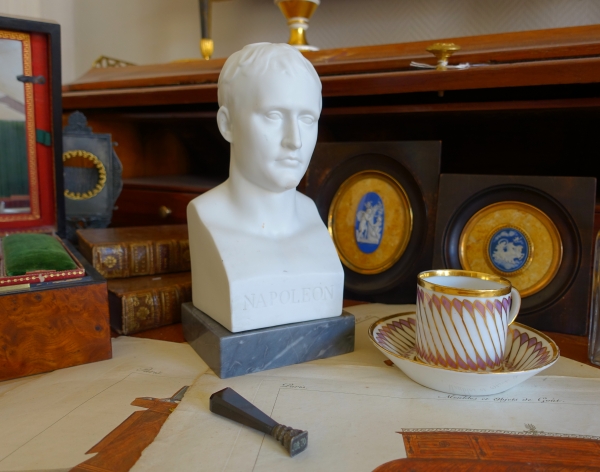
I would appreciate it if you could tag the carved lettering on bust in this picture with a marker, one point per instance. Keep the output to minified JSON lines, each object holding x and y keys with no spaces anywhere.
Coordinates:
{"x":285,"y":297}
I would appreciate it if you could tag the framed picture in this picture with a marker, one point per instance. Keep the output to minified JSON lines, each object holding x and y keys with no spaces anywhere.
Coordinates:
{"x":378,"y":200}
{"x":535,"y":231}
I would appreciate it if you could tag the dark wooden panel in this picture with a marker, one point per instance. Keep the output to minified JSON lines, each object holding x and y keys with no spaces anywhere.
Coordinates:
{"x":52,"y":329}
{"x":142,"y":207}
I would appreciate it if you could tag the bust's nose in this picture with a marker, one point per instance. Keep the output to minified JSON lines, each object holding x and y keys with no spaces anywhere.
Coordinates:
{"x":291,"y":137}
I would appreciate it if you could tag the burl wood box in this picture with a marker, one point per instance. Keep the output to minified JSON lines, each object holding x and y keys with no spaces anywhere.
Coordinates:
{"x":48,"y":320}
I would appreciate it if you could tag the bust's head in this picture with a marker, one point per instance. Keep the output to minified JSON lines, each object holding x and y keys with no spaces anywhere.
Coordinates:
{"x":270,"y":102}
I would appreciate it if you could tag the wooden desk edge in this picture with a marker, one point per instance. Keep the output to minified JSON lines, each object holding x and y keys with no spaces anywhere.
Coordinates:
{"x":571,"y":346}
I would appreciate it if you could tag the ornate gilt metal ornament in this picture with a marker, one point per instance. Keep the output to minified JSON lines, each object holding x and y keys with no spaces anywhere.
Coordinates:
{"x":104,"y":62}
{"x":370,"y":220}
{"x":92,"y":176}
{"x":515,"y":240}
{"x":27,"y":71}
{"x":298,"y":14}
{"x":442,"y":52}
{"x":101,"y":175}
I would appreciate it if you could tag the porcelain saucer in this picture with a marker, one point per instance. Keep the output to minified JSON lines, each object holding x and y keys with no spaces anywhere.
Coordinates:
{"x":528,"y":352}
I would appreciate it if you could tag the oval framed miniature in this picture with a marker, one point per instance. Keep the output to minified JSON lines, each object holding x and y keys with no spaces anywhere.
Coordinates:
{"x":370,"y":220}
{"x":519,"y":232}
{"x":378,"y":200}
{"x":515,"y":240}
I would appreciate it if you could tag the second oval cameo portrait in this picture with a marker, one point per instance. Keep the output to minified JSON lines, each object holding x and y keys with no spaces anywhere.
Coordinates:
{"x":515,"y":240}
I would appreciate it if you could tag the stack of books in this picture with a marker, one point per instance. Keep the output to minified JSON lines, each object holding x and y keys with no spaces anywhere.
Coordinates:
{"x":148,"y":273}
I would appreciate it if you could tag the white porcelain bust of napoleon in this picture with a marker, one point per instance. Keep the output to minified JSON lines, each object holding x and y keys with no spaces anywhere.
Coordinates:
{"x":261,"y":255}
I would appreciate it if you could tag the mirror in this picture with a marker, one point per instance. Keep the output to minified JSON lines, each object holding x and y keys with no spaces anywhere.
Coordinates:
{"x":14,"y":152}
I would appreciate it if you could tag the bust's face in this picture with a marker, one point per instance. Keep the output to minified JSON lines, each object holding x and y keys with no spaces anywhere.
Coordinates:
{"x":274,"y":128}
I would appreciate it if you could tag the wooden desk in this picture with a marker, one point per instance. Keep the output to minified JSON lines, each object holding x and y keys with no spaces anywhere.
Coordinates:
{"x":573,"y":347}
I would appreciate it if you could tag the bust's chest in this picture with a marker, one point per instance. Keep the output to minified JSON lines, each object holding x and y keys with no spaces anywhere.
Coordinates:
{"x":248,"y":255}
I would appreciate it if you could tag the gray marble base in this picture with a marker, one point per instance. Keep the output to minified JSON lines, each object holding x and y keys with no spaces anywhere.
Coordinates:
{"x":231,"y":354}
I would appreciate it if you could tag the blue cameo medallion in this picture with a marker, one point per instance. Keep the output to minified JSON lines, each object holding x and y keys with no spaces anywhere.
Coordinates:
{"x":509,"y":249}
{"x":368,"y":227}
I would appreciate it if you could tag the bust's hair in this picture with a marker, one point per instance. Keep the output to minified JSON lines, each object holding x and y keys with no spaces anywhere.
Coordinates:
{"x":255,"y":60}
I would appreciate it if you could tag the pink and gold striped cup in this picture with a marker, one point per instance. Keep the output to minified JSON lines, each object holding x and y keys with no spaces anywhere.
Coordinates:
{"x":463,"y":318}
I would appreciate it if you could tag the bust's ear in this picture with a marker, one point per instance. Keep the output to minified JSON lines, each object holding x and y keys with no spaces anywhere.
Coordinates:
{"x":223,"y":123}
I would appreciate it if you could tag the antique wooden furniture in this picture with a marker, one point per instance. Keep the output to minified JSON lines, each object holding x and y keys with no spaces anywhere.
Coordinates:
{"x":47,"y":322}
{"x":529,"y":109}
{"x":527,"y":106}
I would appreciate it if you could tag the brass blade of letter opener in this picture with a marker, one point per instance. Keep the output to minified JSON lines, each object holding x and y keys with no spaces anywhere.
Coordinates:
{"x":230,"y":404}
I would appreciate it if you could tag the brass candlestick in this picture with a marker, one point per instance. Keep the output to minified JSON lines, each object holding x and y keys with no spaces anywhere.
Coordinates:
{"x":443,"y":51}
{"x":207,"y":47}
{"x":298,"y":14}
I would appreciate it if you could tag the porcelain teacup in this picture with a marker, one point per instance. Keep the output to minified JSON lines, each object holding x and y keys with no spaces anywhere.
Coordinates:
{"x":463,"y":318}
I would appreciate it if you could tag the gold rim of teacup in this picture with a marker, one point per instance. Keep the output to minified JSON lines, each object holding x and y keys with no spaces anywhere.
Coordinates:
{"x":501,"y":371}
{"x":495,"y":292}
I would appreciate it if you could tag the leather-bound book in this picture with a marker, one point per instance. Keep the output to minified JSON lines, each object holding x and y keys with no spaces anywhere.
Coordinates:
{"x":142,"y":303}
{"x":134,"y":251}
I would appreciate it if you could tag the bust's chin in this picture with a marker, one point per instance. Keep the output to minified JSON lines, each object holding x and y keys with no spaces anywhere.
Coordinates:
{"x":281,"y":183}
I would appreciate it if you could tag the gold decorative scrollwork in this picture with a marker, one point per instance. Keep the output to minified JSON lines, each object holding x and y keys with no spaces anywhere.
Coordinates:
{"x":101,"y":175}
{"x":104,"y":61}
{"x":34,"y":192}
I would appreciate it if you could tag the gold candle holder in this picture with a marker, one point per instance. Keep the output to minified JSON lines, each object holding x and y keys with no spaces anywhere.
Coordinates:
{"x":207,"y":47}
{"x":298,"y":14}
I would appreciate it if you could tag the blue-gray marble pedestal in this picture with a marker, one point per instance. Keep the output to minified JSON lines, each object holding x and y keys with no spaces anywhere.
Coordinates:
{"x":231,"y":354}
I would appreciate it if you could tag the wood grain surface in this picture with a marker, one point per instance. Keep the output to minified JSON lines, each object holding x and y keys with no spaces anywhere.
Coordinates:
{"x":533,"y":58}
{"x":469,"y":451}
{"x":52,"y":329}
{"x":555,"y":43}
{"x":571,"y":346}
{"x":122,"y":447}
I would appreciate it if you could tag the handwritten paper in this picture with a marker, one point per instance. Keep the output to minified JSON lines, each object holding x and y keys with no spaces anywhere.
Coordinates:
{"x":356,"y":424}
{"x":355,"y":408}
{"x":49,"y":421}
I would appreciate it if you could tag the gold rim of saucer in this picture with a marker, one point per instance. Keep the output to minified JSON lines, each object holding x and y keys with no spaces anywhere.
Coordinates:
{"x":464,"y":291}
{"x":551,"y":343}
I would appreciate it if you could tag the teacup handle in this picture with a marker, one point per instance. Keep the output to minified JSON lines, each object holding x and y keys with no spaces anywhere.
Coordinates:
{"x":515,"y":305}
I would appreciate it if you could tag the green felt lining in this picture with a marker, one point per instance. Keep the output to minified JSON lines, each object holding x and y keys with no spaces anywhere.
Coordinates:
{"x":28,"y":252}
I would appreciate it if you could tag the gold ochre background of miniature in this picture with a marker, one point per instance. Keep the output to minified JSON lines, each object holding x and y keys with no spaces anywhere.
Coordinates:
{"x":397,"y":222}
{"x":545,"y":251}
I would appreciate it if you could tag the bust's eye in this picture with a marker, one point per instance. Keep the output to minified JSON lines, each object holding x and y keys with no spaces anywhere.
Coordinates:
{"x":274,"y":115}
{"x":307,"y":119}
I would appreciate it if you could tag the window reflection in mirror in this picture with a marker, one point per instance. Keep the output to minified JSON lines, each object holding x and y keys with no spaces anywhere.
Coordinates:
{"x":14,"y":176}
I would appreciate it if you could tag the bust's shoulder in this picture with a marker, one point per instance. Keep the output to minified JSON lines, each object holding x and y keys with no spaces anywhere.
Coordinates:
{"x":307,"y":209}
{"x":304,"y":202}
{"x":211,"y":204}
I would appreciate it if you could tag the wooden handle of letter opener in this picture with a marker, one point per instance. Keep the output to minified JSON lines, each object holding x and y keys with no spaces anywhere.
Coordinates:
{"x":230,"y":404}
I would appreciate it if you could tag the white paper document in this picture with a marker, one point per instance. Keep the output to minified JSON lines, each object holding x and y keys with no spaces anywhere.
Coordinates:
{"x":49,"y":421}
{"x":355,"y":424}
{"x":355,"y":408}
